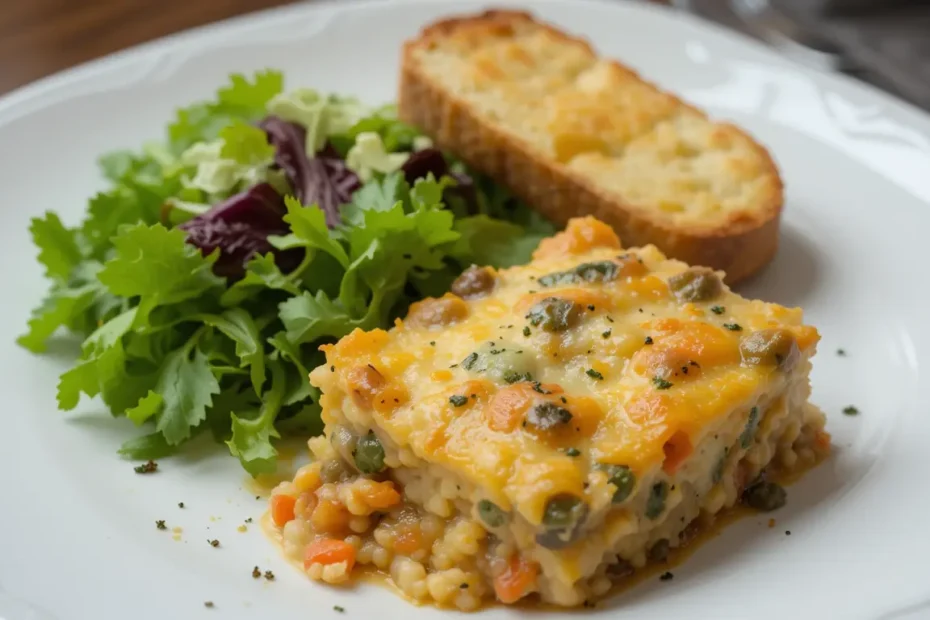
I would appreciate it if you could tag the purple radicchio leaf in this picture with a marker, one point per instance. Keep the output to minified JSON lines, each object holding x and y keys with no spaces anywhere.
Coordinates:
{"x":239,"y":226}
{"x":323,"y":180}
{"x":431,"y":161}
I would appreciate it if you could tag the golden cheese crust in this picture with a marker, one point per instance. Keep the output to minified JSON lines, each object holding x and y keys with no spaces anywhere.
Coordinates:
{"x":575,"y":134}
{"x":530,"y":378}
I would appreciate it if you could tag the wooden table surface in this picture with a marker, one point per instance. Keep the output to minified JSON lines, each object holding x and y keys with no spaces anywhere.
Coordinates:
{"x":40,"y":37}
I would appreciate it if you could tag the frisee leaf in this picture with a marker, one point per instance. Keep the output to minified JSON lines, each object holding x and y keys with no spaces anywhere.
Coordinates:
{"x":58,"y":246}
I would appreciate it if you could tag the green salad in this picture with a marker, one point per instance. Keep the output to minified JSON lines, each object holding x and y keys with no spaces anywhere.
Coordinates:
{"x":267,"y":223}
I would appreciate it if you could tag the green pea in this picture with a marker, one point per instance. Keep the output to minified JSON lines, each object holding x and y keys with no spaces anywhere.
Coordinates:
{"x":622,"y":478}
{"x":600,"y":271}
{"x":545,"y":416}
{"x":562,"y":519}
{"x":332,"y":471}
{"x":656,"y":502}
{"x":369,"y":454}
{"x":491,"y":513}
{"x":765,"y":496}
{"x":695,"y":284}
{"x":554,"y":314}
{"x":745,"y":439}
{"x":717,"y":475}
{"x":771,"y":347}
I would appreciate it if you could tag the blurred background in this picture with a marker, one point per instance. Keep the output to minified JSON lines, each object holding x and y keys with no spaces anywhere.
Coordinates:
{"x":883,"y":42}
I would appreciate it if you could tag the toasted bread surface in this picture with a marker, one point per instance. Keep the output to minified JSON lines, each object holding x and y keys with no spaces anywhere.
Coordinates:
{"x":575,"y":134}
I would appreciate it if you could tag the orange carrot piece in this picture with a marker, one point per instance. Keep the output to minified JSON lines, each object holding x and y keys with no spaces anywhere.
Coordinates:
{"x":515,"y":582}
{"x":282,"y":508}
{"x":329,"y":551}
{"x":381,"y":495}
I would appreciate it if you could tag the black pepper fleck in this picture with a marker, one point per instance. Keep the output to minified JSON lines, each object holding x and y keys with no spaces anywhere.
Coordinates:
{"x":648,"y":340}
{"x":180,"y":504}
{"x":787,"y":532}
{"x":666,"y":576}
{"x":463,"y":586}
{"x":332,"y":369}
{"x":269,"y":575}
{"x":214,"y":543}
{"x":208,"y":604}
{"x":610,"y":320}
{"x":160,"y":524}
{"x":256,"y":573}
{"x":591,"y":307}
{"x":606,"y":334}
{"x":841,"y":352}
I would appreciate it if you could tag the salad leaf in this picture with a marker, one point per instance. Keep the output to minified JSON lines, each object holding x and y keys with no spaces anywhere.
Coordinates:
{"x":205,"y":278}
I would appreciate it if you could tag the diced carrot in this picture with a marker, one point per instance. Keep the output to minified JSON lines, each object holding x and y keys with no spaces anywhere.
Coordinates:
{"x":381,"y":495}
{"x":282,"y":508}
{"x":408,"y":540}
{"x":508,"y":406}
{"x":580,"y":235}
{"x":516,"y":580}
{"x":677,"y":449}
{"x":329,"y":551}
{"x":330,"y":517}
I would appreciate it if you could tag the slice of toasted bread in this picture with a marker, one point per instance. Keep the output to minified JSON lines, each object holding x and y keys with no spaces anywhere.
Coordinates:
{"x":576,"y":134}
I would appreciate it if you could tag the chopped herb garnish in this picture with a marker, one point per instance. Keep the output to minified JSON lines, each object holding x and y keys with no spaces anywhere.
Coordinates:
{"x":733,"y":327}
{"x":146,"y":468}
{"x":545,"y":416}
{"x":256,"y":573}
{"x":458,"y":400}
{"x":850,"y":410}
{"x":341,"y":610}
{"x":594,"y":374}
{"x":666,"y":576}
{"x":432,"y":343}
{"x":526,"y":331}
{"x":563,"y":399}
{"x":249,"y":520}
{"x":606,"y":334}
{"x":718,"y":309}
{"x":601,"y":271}
{"x":214,"y":543}
{"x":660,"y":383}
{"x":332,"y":369}
{"x":537,"y":387}
{"x":208,"y":604}
{"x":591,"y":307}
{"x":787,"y":532}
{"x":609,"y":320}
{"x":841,"y":352}
{"x":160,"y":524}
{"x":648,"y":340}
{"x":180,"y":504}
{"x":463,"y":586}
{"x":469,"y":362}
{"x":554,"y":314}
{"x":573,"y":452}
{"x":512,"y":376}
{"x":269,"y":575}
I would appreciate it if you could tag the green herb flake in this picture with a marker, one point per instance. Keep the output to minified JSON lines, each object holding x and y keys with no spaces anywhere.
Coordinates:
{"x":605,"y":335}
{"x":149,"y":467}
{"x":339,"y":609}
{"x":546,"y":416}
{"x":469,"y":362}
{"x":573,"y":452}
{"x":850,"y":410}
{"x":648,"y":340}
{"x":718,"y":309}
{"x":458,"y":400}
{"x":660,"y":383}
{"x":160,"y":524}
{"x":841,"y":352}
{"x":256,"y":573}
{"x":733,"y":327}
{"x":526,"y":330}
{"x":594,"y":374}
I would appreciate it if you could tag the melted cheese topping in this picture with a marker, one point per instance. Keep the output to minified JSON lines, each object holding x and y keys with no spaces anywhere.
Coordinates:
{"x":636,"y":378}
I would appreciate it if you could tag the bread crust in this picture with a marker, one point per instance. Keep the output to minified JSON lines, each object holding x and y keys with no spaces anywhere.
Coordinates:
{"x":740,"y":245}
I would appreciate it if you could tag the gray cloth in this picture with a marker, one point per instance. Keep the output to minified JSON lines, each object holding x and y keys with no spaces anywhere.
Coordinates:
{"x":887,"y":41}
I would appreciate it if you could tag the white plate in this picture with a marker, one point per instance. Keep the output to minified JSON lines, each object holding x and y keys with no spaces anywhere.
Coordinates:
{"x":77,"y":531}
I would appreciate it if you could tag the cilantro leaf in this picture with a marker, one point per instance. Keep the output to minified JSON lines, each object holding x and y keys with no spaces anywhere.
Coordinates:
{"x":239,"y":326}
{"x":309,"y":225}
{"x":61,"y":308}
{"x":147,"y":447}
{"x":146,"y":408}
{"x":58,"y":246}
{"x":261,"y":272}
{"x":251,"y":438}
{"x":156,"y":264}
{"x":187,"y":385}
